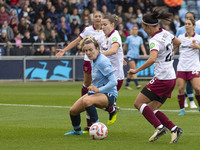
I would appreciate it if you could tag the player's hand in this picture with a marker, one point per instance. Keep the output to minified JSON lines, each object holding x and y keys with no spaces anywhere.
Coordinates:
{"x":124,"y":62}
{"x":194,"y":45}
{"x":60,"y":53}
{"x":145,"y":55}
{"x":93,"y":88}
{"x":132,"y":71}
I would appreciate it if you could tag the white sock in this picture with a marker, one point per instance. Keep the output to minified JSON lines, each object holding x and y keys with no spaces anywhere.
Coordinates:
{"x":173,"y":128}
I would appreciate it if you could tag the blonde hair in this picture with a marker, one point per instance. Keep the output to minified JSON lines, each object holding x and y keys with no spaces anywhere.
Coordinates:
{"x":89,"y":40}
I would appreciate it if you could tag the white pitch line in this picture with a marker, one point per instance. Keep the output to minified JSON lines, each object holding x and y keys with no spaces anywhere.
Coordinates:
{"x":48,"y":106}
{"x":26,"y":105}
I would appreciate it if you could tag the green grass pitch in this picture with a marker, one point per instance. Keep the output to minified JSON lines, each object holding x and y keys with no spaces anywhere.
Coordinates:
{"x":35,"y":116}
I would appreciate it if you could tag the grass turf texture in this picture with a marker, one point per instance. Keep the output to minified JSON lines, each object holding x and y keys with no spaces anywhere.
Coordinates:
{"x":42,"y":128}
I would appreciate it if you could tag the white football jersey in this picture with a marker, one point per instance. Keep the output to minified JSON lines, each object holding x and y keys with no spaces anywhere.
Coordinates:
{"x":91,"y":31}
{"x":161,"y":41}
{"x":116,"y":59}
{"x":189,"y":58}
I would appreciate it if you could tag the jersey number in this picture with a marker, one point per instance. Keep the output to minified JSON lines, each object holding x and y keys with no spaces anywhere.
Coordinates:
{"x":169,"y":57}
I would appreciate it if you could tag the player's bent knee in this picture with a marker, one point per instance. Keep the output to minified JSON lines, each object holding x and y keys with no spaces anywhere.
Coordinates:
{"x":137,"y":105}
{"x":72,"y":111}
{"x":87,"y":102}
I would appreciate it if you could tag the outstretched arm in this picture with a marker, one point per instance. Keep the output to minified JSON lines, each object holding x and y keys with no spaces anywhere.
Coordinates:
{"x":150,"y":61}
{"x":68,"y":47}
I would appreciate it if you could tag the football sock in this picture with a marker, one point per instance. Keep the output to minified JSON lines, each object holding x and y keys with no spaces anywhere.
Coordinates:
{"x":149,"y":115}
{"x":128,"y":82}
{"x":92,"y":112}
{"x":181,"y":100}
{"x":136,"y":81}
{"x":76,"y":122}
{"x":164,"y":119}
{"x":119,"y":84}
{"x":110,"y":109}
{"x":185,"y":93}
{"x":84,"y":90}
{"x":198,"y":99}
{"x":173,"y":128}
{"x":190,"y":96}
{"x":89,"y":123}
{"x":189,"y":91}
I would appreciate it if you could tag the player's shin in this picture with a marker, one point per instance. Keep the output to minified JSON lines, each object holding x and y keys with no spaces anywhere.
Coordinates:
{"x":91,"y":110}
{"x":76,"y":121}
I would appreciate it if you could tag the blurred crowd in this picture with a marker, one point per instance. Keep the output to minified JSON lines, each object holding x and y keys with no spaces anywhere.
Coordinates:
{"x":39,"y":27}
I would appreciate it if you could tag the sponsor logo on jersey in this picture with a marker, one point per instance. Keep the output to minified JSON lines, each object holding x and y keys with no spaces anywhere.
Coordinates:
{"x":114,"y":39}
{"x":152,"y":45}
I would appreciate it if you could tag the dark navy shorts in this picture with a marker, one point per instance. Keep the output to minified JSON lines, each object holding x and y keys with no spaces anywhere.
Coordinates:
{"x":111,"y":98}
{"x":132,"y":59}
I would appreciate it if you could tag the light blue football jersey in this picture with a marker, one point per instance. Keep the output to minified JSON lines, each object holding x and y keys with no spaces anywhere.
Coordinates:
{"x":101,"y":70}
{"x":134,"y":44}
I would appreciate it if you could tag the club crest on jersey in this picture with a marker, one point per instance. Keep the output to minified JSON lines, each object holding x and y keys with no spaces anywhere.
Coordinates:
{"x":107,"y":68}
{"x":152,"y":45}
{"x":114,"y":39}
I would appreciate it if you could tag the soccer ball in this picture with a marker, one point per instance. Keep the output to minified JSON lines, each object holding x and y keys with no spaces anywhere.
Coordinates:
{"x":98,"y":131}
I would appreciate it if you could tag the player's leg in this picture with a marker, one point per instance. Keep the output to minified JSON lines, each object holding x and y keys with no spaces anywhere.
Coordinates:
{"x":132,"y":77}
{"x":156,"y":97}
{"x":175,"y":131}
{"x":86,"y":83}
{"x":132,"y":65}
{"x":190,"y":95}
{"x":181,"y":97}
{"x":186,"y":103}
{"x":99,"y":100}
{"x":196,"y":85}
{"x":114,"y":109}
{"x":146,"y":106}
{"x":75,"y":111}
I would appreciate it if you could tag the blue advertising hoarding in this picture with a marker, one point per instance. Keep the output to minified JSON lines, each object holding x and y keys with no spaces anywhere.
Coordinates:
{"x":55,"y":69}
{"x":48,"y":69}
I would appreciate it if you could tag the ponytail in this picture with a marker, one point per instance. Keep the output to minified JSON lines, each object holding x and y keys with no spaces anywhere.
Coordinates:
{"x":112,"y":19}
{"x":157,"y":13}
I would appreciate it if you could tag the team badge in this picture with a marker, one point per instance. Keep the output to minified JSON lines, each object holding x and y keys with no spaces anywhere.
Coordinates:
{"x":107,"y":68}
